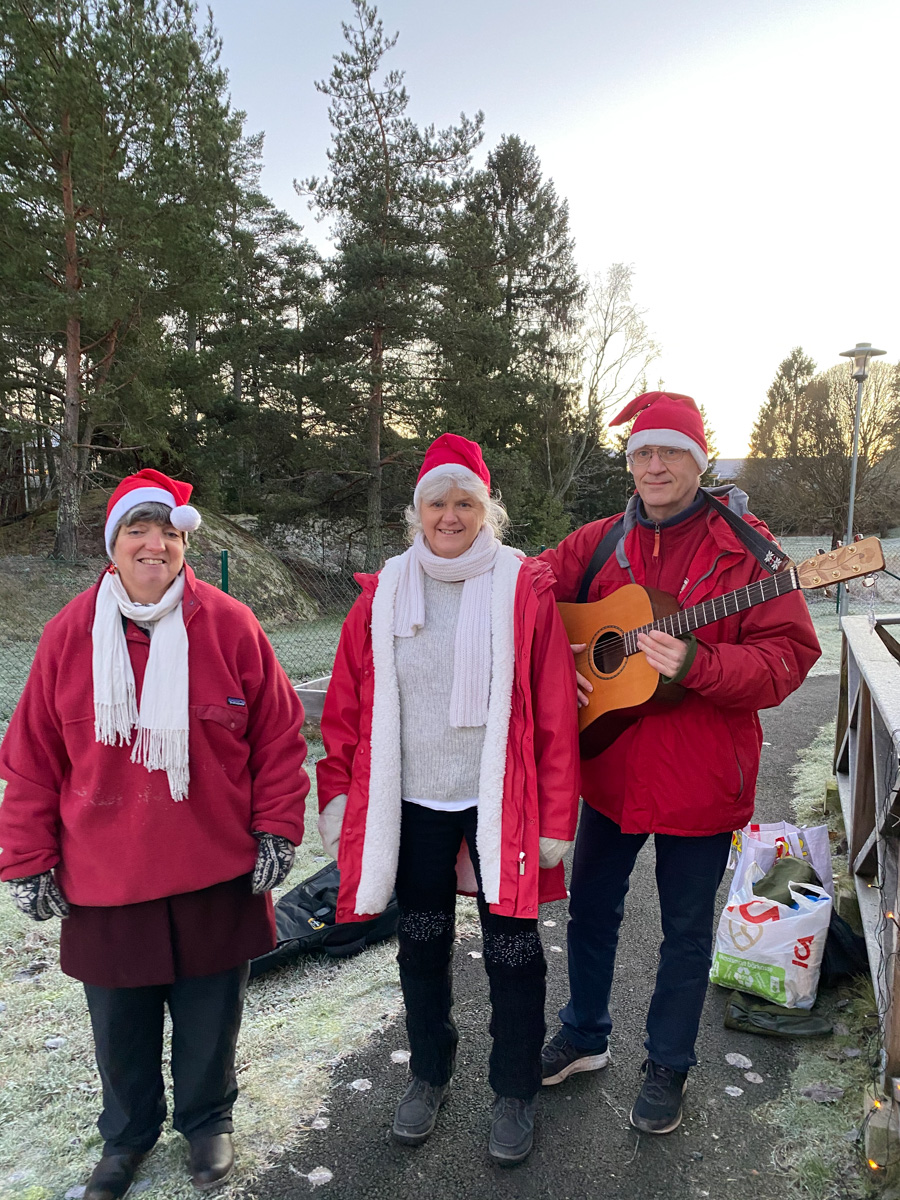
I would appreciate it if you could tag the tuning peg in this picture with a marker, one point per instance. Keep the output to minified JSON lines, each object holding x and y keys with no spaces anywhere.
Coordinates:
{"x":820,"y":550}
{"x":869,"y":581}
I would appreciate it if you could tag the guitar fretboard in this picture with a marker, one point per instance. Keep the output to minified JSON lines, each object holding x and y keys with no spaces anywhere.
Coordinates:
{"x":686,"y":620}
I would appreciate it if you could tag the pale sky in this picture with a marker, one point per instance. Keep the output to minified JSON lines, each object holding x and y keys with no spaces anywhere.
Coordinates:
{"x":742,"y":156}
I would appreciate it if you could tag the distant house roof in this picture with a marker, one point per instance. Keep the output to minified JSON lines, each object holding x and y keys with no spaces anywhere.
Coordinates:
{"x":728,"y":469}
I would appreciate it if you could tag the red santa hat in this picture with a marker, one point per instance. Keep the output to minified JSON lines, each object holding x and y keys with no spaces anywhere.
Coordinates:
{"x":666,"y":419}
{"x":446,"y":455}
{"x":151,"y":487}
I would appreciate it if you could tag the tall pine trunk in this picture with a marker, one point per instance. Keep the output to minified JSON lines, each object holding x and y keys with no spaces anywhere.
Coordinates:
{"x":66,"y":544}
{"x":374,"y":531}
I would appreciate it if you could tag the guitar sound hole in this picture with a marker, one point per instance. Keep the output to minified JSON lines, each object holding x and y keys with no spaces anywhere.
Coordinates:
{"x":609,"y":652}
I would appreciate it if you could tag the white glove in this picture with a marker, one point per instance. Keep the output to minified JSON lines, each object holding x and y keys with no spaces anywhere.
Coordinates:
{"x":331,"y":818}
{"x":552,"y":851}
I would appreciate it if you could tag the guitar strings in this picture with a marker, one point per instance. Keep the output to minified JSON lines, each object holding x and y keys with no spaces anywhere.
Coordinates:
{"x":625,"y":645}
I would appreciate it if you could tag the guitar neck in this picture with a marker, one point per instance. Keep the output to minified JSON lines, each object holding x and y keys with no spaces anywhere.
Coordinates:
{"x":686,"y":620}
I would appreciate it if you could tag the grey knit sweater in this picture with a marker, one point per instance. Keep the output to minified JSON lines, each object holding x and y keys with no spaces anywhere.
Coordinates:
{"x":440,"y":763}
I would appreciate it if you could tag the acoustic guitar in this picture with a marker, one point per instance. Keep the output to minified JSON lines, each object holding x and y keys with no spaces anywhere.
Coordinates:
{"x":626,"y":687}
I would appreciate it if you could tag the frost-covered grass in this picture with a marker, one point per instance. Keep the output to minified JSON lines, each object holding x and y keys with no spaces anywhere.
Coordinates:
{"x":299,"y":1022}
{"x":816,"y":1144}
{"x":306,"y":650}
{"x":811,"y":774}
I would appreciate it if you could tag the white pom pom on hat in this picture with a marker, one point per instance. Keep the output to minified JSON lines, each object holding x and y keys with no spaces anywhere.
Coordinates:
{"x":185,"y":517}
{"x":148,"y":486}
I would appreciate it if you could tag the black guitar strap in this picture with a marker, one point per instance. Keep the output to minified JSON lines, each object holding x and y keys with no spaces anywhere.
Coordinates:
{"x":769,"y":556}
{"x":605,"y":547}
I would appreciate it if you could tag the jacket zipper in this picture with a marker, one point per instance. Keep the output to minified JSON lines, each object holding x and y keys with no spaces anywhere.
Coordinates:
{"x":521,"y":862}
{"x":656,"y":541}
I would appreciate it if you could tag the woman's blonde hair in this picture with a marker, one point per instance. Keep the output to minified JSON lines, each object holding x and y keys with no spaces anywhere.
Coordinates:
{"x":436,"y":486}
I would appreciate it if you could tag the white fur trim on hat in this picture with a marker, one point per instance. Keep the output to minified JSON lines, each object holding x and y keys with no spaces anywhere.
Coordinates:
{"x":446,"y":469}
{"x":130,"y":500}
{"x":668,"y":437}
{"x":185,"y":517}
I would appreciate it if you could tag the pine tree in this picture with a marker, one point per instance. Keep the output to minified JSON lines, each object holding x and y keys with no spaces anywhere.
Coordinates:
{"x":114,"y":142}
{"x":388,"y":186}
{"x":506,"y":341}
{"x":782,"y":426}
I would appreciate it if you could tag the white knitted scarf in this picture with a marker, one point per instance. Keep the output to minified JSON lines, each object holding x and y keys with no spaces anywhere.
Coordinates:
{"x":161,"y":743}
{"x":470,"y":693}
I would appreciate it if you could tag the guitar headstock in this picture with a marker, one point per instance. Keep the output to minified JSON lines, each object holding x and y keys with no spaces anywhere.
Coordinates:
{"x":846,"y":562}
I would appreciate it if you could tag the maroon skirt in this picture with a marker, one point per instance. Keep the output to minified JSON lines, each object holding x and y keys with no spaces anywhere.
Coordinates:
{"x":175,"y":937}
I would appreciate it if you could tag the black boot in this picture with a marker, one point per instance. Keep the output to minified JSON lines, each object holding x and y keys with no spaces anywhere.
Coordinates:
{"x":512,"y":1130}
{"x":113,"y":1175}
{"x":211,"y":1161}
{"x":417,"y":1112}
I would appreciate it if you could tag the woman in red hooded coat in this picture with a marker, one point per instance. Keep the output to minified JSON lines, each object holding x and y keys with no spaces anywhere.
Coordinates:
{"x":452,"y":764}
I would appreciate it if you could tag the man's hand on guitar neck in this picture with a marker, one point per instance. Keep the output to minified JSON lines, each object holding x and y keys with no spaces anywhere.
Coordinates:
{"x":584,"y":685}
{"x":663,"y":652}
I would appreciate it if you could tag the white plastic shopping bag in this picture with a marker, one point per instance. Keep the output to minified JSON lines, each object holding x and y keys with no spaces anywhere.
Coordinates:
{"x":773,"y":950}
{"x":762,"y":844}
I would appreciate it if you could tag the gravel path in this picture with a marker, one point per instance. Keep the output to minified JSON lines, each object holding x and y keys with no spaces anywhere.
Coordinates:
{"x":584,"y":1147}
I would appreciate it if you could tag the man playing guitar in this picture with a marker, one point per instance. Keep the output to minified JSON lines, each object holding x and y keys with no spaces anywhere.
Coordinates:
{"x":685,"y":773}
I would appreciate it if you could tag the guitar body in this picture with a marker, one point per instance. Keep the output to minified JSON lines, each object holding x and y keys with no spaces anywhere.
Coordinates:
{"x":625,"y":688}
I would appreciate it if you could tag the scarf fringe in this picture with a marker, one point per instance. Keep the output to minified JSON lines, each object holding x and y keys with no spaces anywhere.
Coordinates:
{"x":113,"y":723}
{"x":165,"y":750}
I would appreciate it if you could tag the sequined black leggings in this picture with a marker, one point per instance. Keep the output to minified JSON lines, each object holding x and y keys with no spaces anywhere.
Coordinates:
{"x":513,"y":956}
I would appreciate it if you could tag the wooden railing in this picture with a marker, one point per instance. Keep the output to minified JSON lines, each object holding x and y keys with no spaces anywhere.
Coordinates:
{"x":867,"y":765}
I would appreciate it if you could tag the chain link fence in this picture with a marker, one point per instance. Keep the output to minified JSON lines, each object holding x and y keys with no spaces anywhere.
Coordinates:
{"x":301,"y":611}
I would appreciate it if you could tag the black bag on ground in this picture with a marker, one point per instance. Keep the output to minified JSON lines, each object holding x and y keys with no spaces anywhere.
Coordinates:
{"x":305,"y":924}
{"x":845,"y":953}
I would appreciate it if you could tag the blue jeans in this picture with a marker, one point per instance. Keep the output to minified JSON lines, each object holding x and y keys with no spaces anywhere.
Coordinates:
{"x":688,"y":873}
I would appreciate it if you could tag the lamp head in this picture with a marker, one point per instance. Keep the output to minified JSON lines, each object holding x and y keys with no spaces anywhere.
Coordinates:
{"x":861,"y":353}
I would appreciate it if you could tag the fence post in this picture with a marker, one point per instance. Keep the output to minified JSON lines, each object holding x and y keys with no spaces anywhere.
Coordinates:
{"x":224,"y":557}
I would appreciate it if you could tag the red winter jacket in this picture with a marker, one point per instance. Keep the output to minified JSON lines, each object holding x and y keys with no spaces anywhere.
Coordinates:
{"x":110,"y":826}
{"x":693,"y":769}
{"x":540,"y":786}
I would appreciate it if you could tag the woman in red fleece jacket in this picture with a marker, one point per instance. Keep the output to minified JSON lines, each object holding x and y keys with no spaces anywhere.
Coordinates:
{"x":154,"y":813}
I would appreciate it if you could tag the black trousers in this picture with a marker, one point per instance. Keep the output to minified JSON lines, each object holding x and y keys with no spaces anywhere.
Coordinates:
{"x":513,"y":956}
{"x":128,"y":1038}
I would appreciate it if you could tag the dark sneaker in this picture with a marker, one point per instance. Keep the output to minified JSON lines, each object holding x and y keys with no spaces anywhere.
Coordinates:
{"x":658,"y":1107}
{"x":417,"y":1112}
{"x":560,"y":1059}
{"x":512,"y":1130}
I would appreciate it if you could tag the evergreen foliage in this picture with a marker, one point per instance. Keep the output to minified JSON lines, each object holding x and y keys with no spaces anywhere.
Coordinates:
{"x":159,"y":310}
{"x":114,"y":140}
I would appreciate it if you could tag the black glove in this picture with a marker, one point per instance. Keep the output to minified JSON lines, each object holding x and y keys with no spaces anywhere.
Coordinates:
{"x":274,"y":860}
{"x":38,"y":897}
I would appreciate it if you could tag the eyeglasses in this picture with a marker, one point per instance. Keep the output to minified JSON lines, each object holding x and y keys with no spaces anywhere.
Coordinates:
{"x":665,"y":454}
